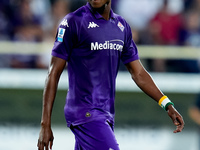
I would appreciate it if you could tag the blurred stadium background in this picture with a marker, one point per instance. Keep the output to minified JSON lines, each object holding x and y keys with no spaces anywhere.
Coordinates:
{"x":168,"y":44}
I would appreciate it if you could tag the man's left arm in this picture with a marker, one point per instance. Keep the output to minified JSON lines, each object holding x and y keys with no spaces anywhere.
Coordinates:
{"x":145,"y":82}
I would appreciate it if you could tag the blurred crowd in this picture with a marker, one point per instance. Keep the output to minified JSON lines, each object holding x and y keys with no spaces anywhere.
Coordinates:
{"x":153,"y":22}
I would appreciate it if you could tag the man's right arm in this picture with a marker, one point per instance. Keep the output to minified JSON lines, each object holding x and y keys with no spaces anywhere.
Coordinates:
{"x":55,"y":70}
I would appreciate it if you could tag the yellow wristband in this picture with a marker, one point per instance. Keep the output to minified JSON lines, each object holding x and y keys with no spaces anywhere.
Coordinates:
{"x":164,"y":102}
{"x":161,"y":100}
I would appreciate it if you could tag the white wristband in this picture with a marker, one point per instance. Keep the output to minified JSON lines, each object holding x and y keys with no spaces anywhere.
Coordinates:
{"x":164,"y":102}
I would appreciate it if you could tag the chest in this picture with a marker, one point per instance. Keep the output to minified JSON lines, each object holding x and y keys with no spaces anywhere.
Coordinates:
{"x":101,"y":34}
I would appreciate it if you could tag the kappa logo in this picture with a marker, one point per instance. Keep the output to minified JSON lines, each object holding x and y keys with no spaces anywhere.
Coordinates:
{"x":92,"y":25}
{"x":64,"y":23}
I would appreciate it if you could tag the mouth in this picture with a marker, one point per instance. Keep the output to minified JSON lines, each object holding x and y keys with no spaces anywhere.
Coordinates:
{"x":95,"y":1}
{"x":100,"y":5}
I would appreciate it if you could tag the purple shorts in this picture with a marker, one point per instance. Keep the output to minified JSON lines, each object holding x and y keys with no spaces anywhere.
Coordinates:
{"x":95,"y":135}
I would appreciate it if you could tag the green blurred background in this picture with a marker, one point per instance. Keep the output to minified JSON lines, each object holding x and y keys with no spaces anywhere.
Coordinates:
{"x":24,"y":106}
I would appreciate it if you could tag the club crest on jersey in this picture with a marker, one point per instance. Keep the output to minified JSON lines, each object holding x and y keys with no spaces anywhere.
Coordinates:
{"x":61,"y":33}
{"x":64,"y":23}
{"x":92,"y":25}
{"x":120,"y":26}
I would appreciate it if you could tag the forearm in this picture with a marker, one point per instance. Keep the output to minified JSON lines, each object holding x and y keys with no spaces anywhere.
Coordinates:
{"x":145,"y":82}
{"x":48,"y":99}
{"x":55,"y":70}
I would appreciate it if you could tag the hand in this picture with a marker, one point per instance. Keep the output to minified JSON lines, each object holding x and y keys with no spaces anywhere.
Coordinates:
{"x":45,"y":138}
{"x":176,"y":118}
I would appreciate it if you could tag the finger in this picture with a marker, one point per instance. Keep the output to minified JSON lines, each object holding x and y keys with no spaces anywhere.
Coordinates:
{"x":51,"y":144}
{"x":40,"y":146}
{"x":173,"y":117}
{"x":178,"y":129}
{"x":180,"y":124}
{"x":176,"y":123}
{"x":176,"y":119}
{"x":47,"y":147}
{"x":180,"y":120}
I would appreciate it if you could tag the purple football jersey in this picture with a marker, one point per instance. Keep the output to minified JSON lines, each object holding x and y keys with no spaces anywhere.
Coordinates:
{"x":93,"y":48}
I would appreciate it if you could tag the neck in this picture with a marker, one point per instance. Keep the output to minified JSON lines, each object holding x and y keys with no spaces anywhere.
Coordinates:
{"x":104,"y":11}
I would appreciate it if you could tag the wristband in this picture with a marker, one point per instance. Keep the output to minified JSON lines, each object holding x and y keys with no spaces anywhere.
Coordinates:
{"x":164,"y":102}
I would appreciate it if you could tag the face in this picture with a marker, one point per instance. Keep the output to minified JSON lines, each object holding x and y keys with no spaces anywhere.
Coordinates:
{"x":98,"y":3}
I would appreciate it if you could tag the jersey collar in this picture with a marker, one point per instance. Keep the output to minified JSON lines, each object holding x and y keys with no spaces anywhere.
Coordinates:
{"x":96,"y":14}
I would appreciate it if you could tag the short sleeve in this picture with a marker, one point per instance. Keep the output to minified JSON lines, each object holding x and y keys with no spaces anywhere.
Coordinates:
{"x":65,"y":38}
{"x":130,"y":52}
